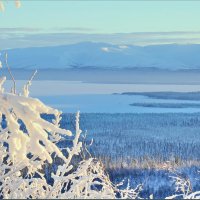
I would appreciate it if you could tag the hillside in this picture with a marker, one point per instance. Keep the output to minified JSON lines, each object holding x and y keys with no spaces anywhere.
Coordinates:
{"x":106,"y":56}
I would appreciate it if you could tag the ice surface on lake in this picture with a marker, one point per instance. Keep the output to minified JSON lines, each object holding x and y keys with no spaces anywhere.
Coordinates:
{"x":52,"y":87}
{"x":107,"y":103}
{"x":70,"y":96}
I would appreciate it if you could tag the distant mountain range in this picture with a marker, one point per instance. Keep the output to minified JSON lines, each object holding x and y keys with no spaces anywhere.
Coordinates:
{"x":106,"y":56}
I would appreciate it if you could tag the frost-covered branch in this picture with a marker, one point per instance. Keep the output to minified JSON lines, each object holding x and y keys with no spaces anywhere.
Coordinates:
{"x":11,"y":75}
{"x":183,"y":189}
{"x":28,"y":84}
{"x":28,"y":143}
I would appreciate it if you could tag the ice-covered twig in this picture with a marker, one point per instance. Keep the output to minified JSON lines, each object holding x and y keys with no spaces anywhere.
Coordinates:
{"x":28,"y":84}
{"x":11,"y":75}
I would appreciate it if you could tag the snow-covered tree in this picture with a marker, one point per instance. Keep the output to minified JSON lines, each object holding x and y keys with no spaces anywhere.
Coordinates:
{"x":28,"y":142}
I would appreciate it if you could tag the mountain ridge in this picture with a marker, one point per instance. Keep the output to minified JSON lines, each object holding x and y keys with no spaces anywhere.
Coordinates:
{"x":107,"y":56}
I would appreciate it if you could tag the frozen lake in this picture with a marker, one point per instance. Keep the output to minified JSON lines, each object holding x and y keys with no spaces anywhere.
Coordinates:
{"x":70,"y":96}
{"x":54,"y":87}
{"x":108,"y":103}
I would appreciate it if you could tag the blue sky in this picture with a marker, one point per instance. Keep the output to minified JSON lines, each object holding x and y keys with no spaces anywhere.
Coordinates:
{"x":103,"y":18}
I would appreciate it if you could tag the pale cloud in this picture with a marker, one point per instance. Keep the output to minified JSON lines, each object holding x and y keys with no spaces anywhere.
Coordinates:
{"x":18,"y":29}
{"x":47,"y":31}
{"x":74,"y":29}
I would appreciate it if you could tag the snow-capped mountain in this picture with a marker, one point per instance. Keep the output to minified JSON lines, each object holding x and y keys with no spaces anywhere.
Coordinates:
{"x":102,"y":55}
